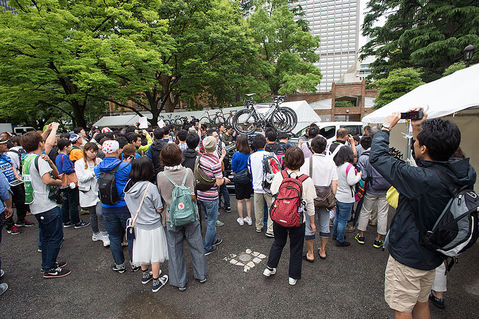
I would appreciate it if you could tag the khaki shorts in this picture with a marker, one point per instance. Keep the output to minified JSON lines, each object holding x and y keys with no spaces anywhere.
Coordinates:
{"x":405,"y":286}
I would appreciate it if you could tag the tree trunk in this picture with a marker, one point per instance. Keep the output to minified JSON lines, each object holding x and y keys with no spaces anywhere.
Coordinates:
{"x":78,"y":115}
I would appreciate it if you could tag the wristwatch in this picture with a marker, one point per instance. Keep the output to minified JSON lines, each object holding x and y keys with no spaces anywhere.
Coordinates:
{"x":386,"y":126}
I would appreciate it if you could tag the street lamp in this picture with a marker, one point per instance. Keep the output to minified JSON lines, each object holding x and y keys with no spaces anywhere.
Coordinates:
{"x":468,"y":53}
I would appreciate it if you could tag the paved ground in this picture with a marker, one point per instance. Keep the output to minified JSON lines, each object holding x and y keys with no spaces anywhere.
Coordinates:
{"x":349,"y":284}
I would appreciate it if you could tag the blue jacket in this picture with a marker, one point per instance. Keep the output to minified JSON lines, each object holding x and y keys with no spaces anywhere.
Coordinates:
{"x":64,"y":164}
{"x":239,"y":161}
{"x":121,"y":176}
{"x":422,"y":190}
{"x":4,"y":191}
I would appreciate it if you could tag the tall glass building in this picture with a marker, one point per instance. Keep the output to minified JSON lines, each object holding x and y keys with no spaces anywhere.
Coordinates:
{"x":337,"y":24}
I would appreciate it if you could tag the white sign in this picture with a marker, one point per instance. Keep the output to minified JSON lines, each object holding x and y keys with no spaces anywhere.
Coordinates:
{"x":143,"y":122}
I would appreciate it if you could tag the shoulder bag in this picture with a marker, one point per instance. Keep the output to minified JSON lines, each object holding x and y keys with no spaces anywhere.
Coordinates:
{"x":130,"y":224}
{"x":324,"y":195}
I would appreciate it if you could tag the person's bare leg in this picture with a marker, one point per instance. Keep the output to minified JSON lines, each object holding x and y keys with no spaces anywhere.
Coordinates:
{"x":402,"y":315}
{"x":322,"y":251}
{"x":310,"y":247}
{"x":239,"y":205}
{"x":155,"y":269}
{"x":421,"y":311}
{"x":379,"y":237}
{"x":248,"y":207}
{"x":438,"y":294}
{"x":144,"y":267}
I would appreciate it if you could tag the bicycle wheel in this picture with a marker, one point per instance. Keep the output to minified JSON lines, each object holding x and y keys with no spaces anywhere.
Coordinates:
{"x":284,"y":120}
{"x":219,"y":119}
{"x":244,"y":121}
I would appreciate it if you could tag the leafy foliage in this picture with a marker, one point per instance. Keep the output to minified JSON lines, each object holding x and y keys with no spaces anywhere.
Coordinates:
{"x":398,"y":83}
{"x":426,"y":35}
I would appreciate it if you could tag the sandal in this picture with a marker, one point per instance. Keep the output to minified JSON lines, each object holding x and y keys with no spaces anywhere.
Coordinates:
{"x":319,"y":249}
{"x":308,"y":260}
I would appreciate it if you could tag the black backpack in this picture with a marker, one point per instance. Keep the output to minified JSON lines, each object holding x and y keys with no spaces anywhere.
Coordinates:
{"x":107,"y":186}
{"x":457,"y":228}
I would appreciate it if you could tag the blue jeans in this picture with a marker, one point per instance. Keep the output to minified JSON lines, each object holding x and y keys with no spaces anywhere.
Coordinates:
{"x":115,"y":224}
{"x":343,"y":210}
{"x":70,"y":206}
{"x":51,"y":236}
{"x":223,"y":191}
{"x":211,"y":216}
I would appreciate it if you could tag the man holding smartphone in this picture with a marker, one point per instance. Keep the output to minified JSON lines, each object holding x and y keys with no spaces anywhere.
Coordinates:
{"x":424,"y":192}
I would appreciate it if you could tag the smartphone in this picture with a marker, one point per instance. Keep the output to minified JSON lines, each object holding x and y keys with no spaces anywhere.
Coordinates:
{"x":412,"y":115}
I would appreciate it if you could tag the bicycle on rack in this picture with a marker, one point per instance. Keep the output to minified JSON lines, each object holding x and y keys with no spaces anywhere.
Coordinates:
{"x":248,"y":120}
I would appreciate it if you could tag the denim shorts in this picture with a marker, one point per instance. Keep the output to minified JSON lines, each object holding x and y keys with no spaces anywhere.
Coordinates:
{"x":321,"y":219}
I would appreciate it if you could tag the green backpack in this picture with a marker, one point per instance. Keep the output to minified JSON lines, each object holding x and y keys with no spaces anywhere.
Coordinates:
{"x":27,"y":180}
{"x":183,"y":208}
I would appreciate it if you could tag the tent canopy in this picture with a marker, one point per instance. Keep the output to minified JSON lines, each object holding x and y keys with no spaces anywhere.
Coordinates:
{"x":450,"y":94}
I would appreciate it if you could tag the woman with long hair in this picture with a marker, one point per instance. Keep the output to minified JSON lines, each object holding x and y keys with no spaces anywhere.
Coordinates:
{"x":88,"y":187}
{"x":144,"y":203}
{"x":243,"y":187}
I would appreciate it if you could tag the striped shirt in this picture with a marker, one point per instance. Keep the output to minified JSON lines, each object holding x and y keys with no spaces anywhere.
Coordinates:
{"x":211,"y":166}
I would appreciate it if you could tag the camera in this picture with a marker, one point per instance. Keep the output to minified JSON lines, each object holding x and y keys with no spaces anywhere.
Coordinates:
{"x":412,"y":115}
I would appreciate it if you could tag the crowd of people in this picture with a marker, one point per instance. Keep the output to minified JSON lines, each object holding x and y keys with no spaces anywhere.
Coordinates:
{"x":153,"y":189}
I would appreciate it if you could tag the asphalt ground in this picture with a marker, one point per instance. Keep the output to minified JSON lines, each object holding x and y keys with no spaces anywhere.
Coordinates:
{"x":348,"y":284}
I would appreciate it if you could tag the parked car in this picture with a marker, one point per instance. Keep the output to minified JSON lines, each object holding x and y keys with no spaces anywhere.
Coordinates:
{"x":329,"y":129}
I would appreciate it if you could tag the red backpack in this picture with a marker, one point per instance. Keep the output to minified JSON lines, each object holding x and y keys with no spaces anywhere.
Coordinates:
{"x":286,"y":209}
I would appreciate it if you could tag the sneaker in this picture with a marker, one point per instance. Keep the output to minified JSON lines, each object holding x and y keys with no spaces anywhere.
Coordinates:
{"x":212,"y":250}
{"x":269,"y":235}
{"x":228,"y":209}
{"x":292,"y":281}
{"x":219,"y":223}
{"x":343,"y":244}
{"x":437,"y":301}
{"x":269,"y":272}
{"x":135,"y":268}
{"x":3,"y":288}
{"x":159,"y":282}
{"x":248,"y":221}
{"x":118,"y":268}
{"x":105,"y":240}
{"x":258,"y":230}
{"x":96,"y":237}
{"x":146,"y":277}
{"x":81,"y":224}
{"x":182,"y":288}
{"x":378,"y":244}
{"x":67,"y":225}
{"x":217,"y":242}
{"x":25,"y":223}
{"x":240,"y":221}
{"x":60,"y":264}
{"x":2,"y":273}
{"x":39,"y":250}
{"x":13,"y":230}
{"x":359,"y":239}
{"x":56,"y":273}
{"x":202,"y":281}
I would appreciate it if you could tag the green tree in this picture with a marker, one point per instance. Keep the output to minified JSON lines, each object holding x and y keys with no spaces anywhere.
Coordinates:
{"x":287,"y":49}
{"x":453,"y":68}
{"x":426,"y":35}
{"x":398,"y":83}
{"x":53,"y":54}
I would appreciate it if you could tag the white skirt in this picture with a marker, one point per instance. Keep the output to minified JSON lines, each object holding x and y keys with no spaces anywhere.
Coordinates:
{"x":149,"y":246}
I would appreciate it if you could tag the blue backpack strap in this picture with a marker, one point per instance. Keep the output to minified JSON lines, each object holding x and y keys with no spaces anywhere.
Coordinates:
{"x":171,"y":179}
{"x":184,"y":178}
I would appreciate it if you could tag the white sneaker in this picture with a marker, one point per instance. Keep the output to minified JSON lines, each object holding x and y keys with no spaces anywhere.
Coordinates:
{"x":269,"y":272}
{"x":106,"y":240}
{"x":248,"y":220}
{"x":292,"y":281}
{"x":96,"y":237}
{"x":240,"y":221}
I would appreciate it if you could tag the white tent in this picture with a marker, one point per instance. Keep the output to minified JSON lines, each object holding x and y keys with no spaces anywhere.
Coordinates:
{"x":454,"y":97}
{"x":450,"y":94}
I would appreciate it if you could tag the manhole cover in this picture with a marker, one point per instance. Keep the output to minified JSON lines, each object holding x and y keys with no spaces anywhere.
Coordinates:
{"x":244,"y":257}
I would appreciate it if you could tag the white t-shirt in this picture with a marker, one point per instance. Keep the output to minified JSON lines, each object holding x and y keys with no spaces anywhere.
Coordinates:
{"x":255,"y":164}
{"x":324,"y":169}
{"x":41,"y":203}
{"x":345,"y":193}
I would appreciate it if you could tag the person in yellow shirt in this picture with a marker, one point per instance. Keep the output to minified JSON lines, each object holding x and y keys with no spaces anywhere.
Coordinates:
{"x":76,"y":152}
{"x":135,"y":139}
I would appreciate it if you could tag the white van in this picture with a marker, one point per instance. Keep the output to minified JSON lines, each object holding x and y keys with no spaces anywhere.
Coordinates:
{"x":329,"y":129}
